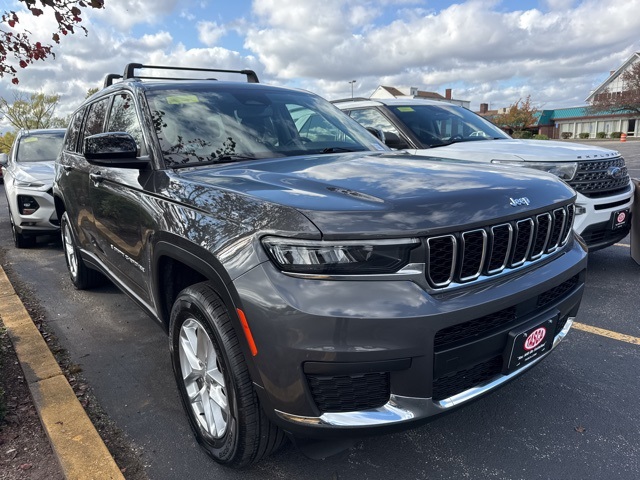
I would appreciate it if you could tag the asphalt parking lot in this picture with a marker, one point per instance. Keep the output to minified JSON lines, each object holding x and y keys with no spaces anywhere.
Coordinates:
{"x":573,"y":416}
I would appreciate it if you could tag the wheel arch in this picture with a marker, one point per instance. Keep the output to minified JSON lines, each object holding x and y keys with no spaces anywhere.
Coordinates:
{"x":177,"y":264}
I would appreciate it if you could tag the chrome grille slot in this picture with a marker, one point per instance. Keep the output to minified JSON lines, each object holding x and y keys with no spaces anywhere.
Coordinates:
{"x":441,"y":260}
{"x":463,"y":257}
{"x":500,"y":247}
{"x":523,"y":240}
{"x":559,"y":217}
{"x":568,"y":226}
{"x":543,"y":229}
{"x":474,"y":247}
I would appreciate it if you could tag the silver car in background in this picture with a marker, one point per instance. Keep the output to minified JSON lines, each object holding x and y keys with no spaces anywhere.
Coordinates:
{"x":28,"y":177}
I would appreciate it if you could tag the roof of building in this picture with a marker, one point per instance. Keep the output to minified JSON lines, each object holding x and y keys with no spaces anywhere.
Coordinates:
{"x":604,"y":85}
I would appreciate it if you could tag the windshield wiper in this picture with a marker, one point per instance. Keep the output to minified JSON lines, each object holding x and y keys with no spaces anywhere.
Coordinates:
{"x":228,"y":158}
{"x":339,"y":149}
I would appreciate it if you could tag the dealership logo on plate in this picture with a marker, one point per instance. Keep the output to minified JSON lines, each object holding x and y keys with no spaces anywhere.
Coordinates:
{"x":535,"y":339}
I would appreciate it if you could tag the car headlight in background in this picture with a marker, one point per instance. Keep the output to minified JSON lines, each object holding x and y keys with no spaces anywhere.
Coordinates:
{"x":27,"y":184}
{"x":27,"y":205}
{"x":339,"y":257}
{"x":564,"y":170}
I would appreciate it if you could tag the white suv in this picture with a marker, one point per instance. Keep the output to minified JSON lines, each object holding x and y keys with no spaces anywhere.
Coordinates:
{"x":440,"y":129}
{"x":28,"y":178}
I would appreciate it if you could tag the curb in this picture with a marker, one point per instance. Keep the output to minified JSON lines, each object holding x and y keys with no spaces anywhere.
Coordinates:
{"x":76,"y":443}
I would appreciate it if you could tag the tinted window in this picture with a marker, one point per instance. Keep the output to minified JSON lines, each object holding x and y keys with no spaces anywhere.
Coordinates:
{"x":443,"y":124}
{"x":95,"y":118}
{"x":224,"y":122}
{"x":71,"y":140}
{"x":123,"y":118}
{"x":372,"y":118}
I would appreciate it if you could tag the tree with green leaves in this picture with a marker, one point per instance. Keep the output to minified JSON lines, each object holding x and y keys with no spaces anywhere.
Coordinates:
{"x":625,"y":101}
{"x":6,"y":141}
{"x":32,"y":111}
{"x":519,"y":115}
{"x":20,"y":44}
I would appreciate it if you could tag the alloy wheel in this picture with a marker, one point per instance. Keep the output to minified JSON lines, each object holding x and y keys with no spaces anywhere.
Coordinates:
{"x":203,"y":379}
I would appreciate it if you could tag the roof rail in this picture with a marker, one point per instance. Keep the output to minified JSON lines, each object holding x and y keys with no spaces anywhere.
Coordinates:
{"x":131,"y":67}
{"x":355,"y":99}
{"x":110,"y":78}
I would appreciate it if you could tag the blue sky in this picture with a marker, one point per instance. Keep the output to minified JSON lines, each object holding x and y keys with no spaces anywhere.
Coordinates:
{"x":487,"y":51}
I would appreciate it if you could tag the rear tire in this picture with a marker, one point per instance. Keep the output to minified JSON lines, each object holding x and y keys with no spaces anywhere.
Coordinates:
{"x":83,"y":277}
{"x":214,"y":382}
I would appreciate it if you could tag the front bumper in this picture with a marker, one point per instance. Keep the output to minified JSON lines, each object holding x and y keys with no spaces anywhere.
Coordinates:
{"x":43,"y":221}
{"x":366,"y":357}
{"x":595,"y":223}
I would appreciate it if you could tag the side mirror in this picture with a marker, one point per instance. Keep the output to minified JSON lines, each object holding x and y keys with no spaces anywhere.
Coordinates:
{"x":4,"y":159}
{"x":394,"y":141}
{"x":376,"y":132}
{"x":113,"y":149}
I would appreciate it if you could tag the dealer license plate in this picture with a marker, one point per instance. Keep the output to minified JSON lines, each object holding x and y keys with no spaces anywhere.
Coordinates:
{"x":528,"y":343}
{"x":620,"y":219}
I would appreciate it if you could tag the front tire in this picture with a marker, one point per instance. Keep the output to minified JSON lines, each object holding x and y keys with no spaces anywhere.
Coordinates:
{"x":20,"y":240}
{"x":214,"y":382}
{"x":83,"y":277}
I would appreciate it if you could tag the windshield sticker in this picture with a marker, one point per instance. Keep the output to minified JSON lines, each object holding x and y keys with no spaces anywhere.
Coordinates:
{"x":405,"y":109}
{"x":180,"y":99}
{"x":377,"y":146}
{"x":29,"y":139}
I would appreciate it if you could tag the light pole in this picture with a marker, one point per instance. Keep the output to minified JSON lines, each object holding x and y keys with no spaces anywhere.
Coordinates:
{"x":352,"y":82}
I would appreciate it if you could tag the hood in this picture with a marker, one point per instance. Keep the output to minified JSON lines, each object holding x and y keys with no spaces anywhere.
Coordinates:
{"x":519,"y":150}
{"x":40,"y":171}
{"x":388,"y":194}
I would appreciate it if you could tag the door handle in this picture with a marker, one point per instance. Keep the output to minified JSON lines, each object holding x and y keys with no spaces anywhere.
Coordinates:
{"x":96,"y":177}
{"x":67,"y":168}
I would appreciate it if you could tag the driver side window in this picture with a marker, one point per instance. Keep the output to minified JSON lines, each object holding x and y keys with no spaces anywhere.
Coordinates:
{"x":371,"y":118}
{"x":123,"y":118}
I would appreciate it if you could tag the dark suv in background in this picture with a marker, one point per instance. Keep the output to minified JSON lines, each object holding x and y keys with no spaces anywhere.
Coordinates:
{"x":312,"y":282}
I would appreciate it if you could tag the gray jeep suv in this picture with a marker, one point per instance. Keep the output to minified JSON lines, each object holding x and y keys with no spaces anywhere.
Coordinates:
{"x":313,"y":284}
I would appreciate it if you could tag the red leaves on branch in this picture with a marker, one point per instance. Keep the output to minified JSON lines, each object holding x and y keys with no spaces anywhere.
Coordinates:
{"x":19,"y":46}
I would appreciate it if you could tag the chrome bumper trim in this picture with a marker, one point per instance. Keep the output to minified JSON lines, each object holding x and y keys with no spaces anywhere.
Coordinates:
{"x":403,"y":409}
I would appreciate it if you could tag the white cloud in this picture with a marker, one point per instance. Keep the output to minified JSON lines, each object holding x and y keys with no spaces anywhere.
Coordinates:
{"x":209,"y":33}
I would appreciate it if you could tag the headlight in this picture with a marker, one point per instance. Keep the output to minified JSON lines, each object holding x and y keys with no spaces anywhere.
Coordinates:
{"x":339,"y":258}
{"x":26,"y":184}
{"x":565,"y":170}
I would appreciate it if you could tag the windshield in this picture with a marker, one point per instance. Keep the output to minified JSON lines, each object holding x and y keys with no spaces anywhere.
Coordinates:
{"x":437,"y":125}
{"x":221,"y":122}
{"x":39,"y":147}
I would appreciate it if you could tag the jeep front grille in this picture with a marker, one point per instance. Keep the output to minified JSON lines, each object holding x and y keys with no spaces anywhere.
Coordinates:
{"x":596,"y":178}
{"x":461,"y":257}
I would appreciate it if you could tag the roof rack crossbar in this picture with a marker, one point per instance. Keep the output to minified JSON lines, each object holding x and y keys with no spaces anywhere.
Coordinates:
{"x":110,"y":78}
{"x":129,"y":71}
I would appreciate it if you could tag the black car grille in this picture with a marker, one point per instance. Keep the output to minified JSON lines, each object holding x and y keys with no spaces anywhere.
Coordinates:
{"x":349,"y":393}
{"x":465,"y":379}
{"x":467,"y":334}
{"x":462,"y":257}
{"x":594,"y":177}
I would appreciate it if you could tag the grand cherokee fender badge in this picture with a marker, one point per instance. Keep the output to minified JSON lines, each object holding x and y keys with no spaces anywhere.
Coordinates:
{"x":535,"y":339}
{"x":518,"y":202}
